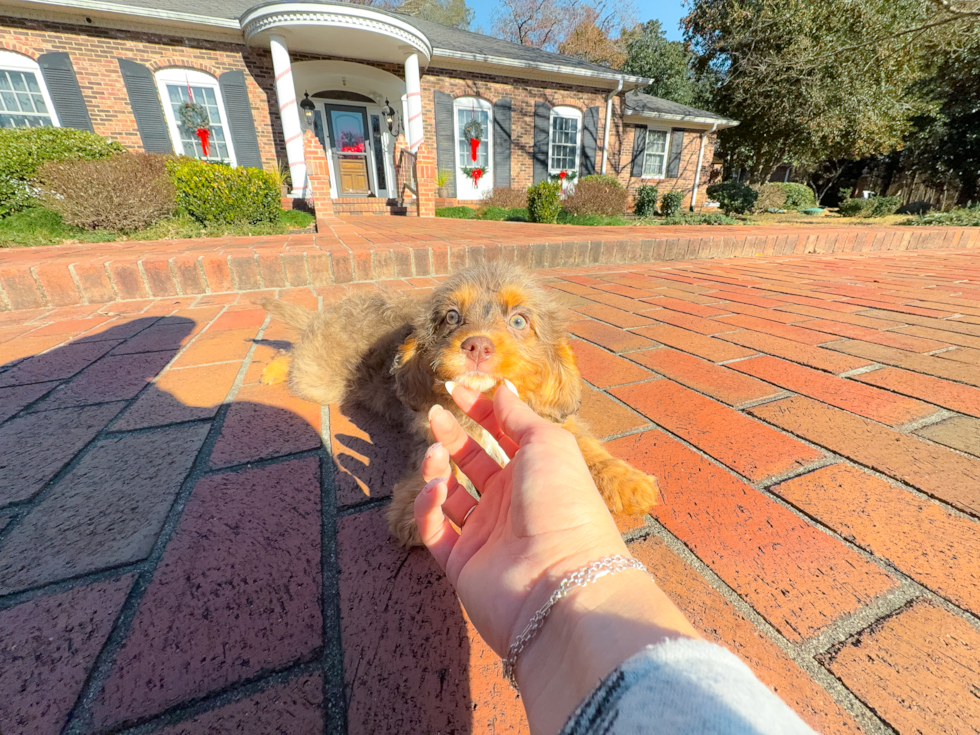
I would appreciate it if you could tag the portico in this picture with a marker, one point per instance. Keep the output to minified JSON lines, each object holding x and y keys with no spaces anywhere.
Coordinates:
{"x":361,"y":113}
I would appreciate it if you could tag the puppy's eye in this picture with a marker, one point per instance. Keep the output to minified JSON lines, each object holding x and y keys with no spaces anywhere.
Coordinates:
{"x":518,"y":322}
{"x":453,"y":318}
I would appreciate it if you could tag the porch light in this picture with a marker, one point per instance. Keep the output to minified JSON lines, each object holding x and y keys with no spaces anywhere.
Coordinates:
{"x":307,"y":106}
{"x":389,"y":116}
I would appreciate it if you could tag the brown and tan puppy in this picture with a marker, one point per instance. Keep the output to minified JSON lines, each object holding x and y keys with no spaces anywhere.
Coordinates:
{"x":393,"y":353}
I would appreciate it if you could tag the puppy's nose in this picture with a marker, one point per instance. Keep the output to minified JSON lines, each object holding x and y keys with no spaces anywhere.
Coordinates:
{"x":477,"y":348}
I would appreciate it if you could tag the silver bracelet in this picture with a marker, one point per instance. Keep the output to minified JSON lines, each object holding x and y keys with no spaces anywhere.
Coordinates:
{"x":578,"y":578}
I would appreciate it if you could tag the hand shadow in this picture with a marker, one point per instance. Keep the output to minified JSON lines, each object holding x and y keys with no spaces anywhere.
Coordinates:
{"x":193,"y":579}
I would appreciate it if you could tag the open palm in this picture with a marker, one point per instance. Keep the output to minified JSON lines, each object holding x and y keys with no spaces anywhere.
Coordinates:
{"x":539,"y":517}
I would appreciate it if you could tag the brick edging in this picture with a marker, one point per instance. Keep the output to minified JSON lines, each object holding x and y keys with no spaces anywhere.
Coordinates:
{"x":67,"y":276}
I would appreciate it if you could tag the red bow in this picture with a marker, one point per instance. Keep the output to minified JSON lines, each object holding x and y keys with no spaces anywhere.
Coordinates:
{"x":562,"y":175}
{"x":203,"y":134}
{"x":476,"y":176}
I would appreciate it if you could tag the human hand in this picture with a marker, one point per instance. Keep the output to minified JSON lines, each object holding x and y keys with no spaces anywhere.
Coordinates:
{"x":538,"y":519}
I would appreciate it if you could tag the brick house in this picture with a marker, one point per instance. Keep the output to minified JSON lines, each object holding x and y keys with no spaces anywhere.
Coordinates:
{"x":375,"y":90}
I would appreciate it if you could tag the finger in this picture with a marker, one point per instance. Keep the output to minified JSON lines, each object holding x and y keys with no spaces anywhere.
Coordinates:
{"x":469,"y":456}
{"x":480,"y":408}
{"x":516,"y":418}
{"x":435,"y":465}
{"x":437,"y":534}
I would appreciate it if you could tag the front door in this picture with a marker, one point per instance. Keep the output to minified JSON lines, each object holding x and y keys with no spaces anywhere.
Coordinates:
{"x":348,"y":130}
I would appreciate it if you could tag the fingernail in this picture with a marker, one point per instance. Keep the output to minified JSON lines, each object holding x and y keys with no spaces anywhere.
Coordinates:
{"x":436,"y":408}
{"x":432,"y":484}
{"x":429,"y":452}
{"x":450,"y":386}
{"x":510,"y":385}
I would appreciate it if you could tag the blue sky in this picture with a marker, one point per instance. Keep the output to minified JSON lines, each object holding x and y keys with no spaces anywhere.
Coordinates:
{"x":668,"y":12}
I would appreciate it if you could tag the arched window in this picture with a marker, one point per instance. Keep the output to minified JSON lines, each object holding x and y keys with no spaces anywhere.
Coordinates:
{"x":473,"y":108}
{"x":178,"y":86}
{"x":566,"y":139}
{"x":24,"y":99}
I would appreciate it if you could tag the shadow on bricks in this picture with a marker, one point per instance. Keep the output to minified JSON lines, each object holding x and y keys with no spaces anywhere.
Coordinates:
{"x":174,"y":560}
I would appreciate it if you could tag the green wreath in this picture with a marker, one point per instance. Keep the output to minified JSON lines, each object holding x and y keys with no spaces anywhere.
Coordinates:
{"x":194,"y":116}
{"x":473,"y":130}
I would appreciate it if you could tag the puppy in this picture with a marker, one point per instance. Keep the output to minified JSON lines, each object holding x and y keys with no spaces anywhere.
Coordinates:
{"x":393,"y":353}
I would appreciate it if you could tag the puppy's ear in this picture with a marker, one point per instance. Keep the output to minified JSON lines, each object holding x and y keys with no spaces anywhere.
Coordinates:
{"x":413,"y":377}
{"x":561,"y":392}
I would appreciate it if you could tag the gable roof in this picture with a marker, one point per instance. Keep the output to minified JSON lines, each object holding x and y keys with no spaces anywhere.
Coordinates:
{"x":646,"y":105}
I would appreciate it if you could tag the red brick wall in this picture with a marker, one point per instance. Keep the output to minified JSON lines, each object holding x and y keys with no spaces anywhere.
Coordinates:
{"x":94,"y":52}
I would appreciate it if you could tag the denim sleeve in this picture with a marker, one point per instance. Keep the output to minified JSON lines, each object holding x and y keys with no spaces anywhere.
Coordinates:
{"x":684,"y":686}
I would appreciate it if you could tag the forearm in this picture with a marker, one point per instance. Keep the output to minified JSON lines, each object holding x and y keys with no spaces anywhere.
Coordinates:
{"x":588,"y":634}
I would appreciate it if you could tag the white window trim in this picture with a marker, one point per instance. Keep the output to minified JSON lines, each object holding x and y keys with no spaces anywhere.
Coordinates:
{"x":178,"y":75}
{"x":662,"y":129}
{"x":572,"y":112}
{"x":12,"y":61}
{"x":470,"y":102}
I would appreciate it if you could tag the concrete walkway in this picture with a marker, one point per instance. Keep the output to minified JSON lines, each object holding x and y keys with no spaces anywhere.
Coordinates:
{"x":184,"y":550}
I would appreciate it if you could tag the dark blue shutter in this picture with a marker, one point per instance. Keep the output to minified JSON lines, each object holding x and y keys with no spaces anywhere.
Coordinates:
{"x":590,"y":133}
{"x":501,"y":141}
{"x":143,"y":100}
{"x":542,"y":138}
{"x":445,"y":138}
{"x":639,"y":148}
{"x":66,"y":95}
{"x":239,"y":112}
{"x":676,"y":146}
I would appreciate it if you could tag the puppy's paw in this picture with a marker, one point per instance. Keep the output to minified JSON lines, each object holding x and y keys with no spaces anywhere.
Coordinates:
{"x":276,"y":371}
{"x":625,"y":489}
{"x":401,"y":511}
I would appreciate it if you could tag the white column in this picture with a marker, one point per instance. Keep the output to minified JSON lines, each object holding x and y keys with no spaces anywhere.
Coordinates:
{"x":413,"y":88}
{"x":289,"y":114}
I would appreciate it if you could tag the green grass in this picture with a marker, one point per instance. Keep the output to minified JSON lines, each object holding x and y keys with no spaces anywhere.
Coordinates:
{"x":959,"y":217}
{"x":39,"y":226}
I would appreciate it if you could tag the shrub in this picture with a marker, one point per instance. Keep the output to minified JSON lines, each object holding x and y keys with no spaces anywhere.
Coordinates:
{"x":671,"y":202}
{"x":960,"y":217}
{"x":710,"y":218}
{"x":443,"y":177}
{"x":772,"y":196}
{"x":601,"y":195}
{"x":456,"y":212}
{"x":24,"y":150}
{"x":605,"y":178}
{"x":214,"y":193}
{"x":645,"y":201}
{"x":873,"y":207}
{"x":544,"y":202}
{"x":798,"y":196}
{"x":734,"y":198}
{"x":125,"y":192}
{"x":505,"y":197}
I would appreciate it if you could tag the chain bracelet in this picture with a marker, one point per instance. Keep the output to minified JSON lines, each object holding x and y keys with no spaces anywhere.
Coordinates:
{"x":578,"y":578}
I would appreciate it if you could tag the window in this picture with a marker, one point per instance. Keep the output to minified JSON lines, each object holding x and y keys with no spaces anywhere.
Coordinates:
{"x":655,"y":154}
{"x":566,"y":132}
{"x":473,"y":108}
{"x":24,"y":101}
{"x":178,"y":86}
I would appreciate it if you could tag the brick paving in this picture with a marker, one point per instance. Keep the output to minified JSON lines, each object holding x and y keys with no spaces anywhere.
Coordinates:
{"x":184,"y":550}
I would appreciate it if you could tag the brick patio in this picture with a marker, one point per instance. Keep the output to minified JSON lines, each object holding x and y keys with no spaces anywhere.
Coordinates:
{"x":184,"y":550}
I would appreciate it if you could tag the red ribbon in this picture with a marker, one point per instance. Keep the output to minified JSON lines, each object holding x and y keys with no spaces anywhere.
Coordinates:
{"x":203,"y":134}
{"x":474,"y":147}
{"x":477,"y":173}
{"x":562,"y":175}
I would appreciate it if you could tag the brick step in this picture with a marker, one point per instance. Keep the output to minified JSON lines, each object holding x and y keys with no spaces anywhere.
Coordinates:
{"x":375,"y":248}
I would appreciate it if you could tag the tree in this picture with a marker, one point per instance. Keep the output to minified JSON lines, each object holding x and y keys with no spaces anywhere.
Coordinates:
{"x":817,"y":80}
{"x":667,"y":63}
{"x":577,"y":26}
{"x":454,"y":13}
{"x":590,"y":42}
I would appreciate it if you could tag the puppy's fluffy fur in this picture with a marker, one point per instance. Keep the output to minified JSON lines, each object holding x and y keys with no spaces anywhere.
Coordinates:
{"x":392,"y":353}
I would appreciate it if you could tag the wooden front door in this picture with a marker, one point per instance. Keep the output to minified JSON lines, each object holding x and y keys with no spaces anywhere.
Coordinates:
{"x":349,"y":142}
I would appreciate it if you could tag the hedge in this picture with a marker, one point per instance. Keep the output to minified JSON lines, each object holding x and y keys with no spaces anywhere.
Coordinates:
{"x":24,"y":150}
{"x":215,"y":193}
